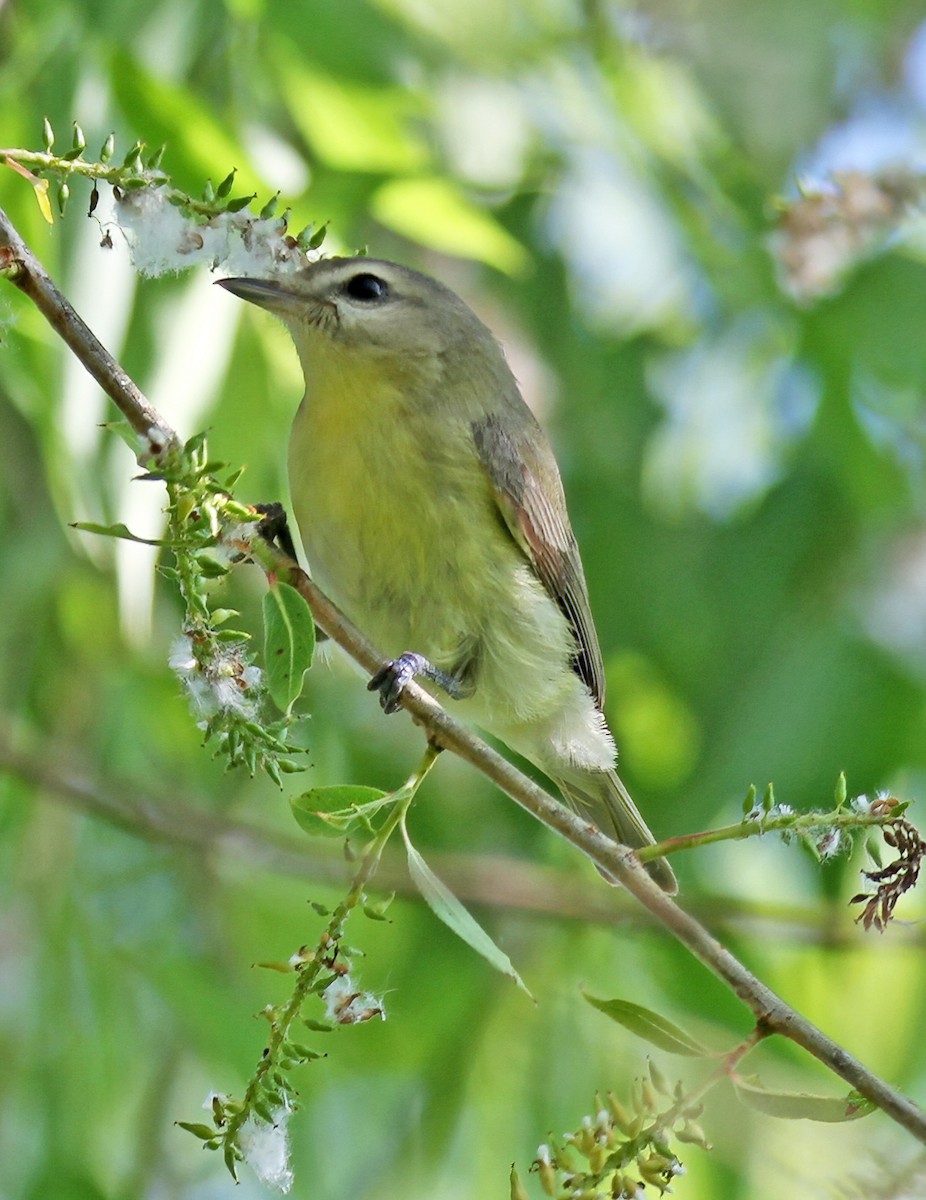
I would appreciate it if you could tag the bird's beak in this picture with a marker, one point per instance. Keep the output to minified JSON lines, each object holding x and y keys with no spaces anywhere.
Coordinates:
{"x":265,"y":293}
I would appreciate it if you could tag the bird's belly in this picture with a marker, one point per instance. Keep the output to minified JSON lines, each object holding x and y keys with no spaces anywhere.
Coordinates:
{"x":411,"y":545}
{"x":396,"y":546}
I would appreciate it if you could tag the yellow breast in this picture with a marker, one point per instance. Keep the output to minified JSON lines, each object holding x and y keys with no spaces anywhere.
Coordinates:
{"x":385,"y":487}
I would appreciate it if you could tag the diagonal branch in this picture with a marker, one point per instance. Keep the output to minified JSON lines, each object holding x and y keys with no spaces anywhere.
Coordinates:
{"x":772,"y":1014}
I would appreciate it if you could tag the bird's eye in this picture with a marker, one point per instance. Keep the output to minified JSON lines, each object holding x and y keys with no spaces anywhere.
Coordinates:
{"x":366,"y":287}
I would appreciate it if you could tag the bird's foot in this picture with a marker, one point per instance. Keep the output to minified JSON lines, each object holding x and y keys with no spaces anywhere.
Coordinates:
{"x":392,"y":679}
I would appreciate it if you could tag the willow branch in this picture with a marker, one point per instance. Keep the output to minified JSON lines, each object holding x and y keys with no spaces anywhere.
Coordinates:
{"x":772,"y":1014}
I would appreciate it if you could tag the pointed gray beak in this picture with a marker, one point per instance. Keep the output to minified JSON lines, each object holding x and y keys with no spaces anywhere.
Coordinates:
{"x":265,"y":293}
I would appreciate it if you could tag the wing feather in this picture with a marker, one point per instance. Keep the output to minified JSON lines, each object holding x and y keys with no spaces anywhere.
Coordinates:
{"x":527,"y":487}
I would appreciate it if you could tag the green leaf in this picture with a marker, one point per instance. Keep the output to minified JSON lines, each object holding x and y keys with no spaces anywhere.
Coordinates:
{"x":116,"y":531}
{"x":801,"y":1106}
{"x":650,"y":1026}
{"x":289,"y":643}
{"x":448,"y":909}
{"x":330,"y":811}
{"x":203,"y":1132}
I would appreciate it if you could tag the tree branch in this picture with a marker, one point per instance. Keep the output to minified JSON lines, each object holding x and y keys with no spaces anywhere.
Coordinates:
{"x":772,"y":1014}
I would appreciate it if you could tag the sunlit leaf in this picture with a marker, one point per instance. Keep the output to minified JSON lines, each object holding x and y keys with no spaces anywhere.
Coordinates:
{"x":351,"y":126}
{"x":41,"y":196}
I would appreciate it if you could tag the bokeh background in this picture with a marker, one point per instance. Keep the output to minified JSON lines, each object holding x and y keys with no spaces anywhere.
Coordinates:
{"x":743,"y":454}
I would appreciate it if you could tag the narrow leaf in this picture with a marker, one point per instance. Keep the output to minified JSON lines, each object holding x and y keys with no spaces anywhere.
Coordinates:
{"x":650,"y":1026}
{"x":801,"y":1106}
{"x":289,"y":643}
{"x":448,"y":909}
{"x":115,"y":531}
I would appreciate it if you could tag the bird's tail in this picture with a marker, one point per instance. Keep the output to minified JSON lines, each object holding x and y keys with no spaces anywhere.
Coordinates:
{"x":602,"y":797}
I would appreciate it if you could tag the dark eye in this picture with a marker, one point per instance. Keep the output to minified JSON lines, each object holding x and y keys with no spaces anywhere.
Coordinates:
{"x":366,"y":287}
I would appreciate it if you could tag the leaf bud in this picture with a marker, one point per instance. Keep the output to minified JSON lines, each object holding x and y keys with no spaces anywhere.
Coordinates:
{"x":131,"y":159}
{"x":266,"y":213}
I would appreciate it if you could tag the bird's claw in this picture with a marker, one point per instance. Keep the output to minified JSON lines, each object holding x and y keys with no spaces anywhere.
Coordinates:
{"x":392,"y":679}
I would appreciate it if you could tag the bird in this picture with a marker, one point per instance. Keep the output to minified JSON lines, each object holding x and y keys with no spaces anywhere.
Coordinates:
{"x":431,"y":510}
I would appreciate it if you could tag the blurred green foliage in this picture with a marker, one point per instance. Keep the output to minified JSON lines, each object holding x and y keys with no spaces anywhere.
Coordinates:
{"x":745,"y":478}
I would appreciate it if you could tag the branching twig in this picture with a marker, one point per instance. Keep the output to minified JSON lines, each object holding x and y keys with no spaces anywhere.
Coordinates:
{"x":772,"y":1014}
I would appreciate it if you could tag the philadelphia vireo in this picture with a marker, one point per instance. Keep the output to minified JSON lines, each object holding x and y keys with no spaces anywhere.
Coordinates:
{"x":432,"y":511}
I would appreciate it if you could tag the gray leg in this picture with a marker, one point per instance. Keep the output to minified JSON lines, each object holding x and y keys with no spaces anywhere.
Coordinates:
{"x":390,"y":680}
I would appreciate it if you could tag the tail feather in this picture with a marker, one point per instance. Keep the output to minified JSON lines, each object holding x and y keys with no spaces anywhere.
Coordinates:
{"x":602,"y":797}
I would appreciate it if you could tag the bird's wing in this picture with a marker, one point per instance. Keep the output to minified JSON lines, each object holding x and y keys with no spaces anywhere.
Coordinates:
{"x":526,"y":484}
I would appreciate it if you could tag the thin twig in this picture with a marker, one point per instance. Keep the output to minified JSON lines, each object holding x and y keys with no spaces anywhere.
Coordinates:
{"x":771,"y":1012}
